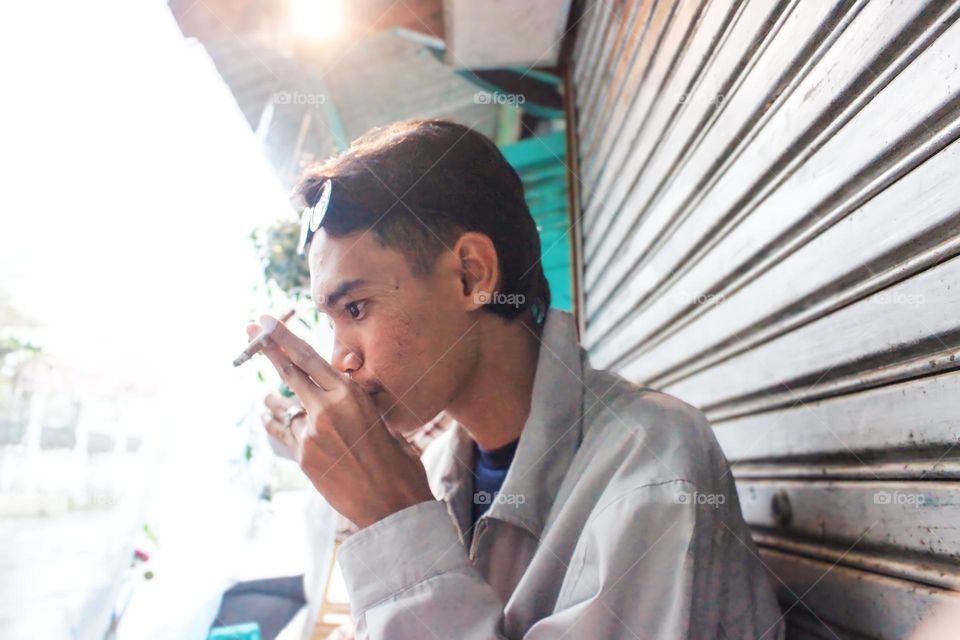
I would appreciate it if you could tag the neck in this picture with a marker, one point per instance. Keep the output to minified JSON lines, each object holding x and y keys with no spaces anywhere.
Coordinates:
{"x":495,"y":403}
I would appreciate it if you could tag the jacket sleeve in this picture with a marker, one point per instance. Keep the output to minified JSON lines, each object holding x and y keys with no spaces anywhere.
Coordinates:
{"x":409,"y":577}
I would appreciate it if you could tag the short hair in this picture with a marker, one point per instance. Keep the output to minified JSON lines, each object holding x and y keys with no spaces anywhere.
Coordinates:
{"x":419,"y":185}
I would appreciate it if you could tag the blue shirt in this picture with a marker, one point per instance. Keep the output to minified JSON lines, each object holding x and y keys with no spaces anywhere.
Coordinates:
{"x":489,"y":468}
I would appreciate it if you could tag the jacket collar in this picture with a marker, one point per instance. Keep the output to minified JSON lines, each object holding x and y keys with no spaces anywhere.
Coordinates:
{"x":548,"y":442}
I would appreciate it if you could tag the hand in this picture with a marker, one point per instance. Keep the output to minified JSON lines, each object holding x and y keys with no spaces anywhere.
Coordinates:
{"x":275,"y":421}
{"x":342,"y":445}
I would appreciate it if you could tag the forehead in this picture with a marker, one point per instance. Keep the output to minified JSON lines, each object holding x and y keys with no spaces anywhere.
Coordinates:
{"x":355,"y":256}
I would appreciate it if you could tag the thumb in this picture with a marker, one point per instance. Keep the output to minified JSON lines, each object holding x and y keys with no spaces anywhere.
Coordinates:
{"x":252,"y":330}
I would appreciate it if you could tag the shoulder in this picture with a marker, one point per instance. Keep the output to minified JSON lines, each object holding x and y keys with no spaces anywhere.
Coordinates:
{"x":638,"y":437}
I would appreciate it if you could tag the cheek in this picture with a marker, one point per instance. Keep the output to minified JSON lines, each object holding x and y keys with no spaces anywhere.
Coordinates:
{"x":389,"y":349}
{"x":412,"y":355}
{"x":409,"y":349}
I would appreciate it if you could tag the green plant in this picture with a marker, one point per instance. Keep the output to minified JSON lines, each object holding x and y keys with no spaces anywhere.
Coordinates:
{"x":10,"y":345}
{"x":282,"y":267}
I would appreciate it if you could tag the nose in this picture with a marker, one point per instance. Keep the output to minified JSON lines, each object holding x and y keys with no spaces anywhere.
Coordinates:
{"x":345,"y":360}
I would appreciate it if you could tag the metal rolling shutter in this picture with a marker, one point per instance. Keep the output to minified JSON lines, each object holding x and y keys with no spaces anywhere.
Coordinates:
{"x":770,"y":200}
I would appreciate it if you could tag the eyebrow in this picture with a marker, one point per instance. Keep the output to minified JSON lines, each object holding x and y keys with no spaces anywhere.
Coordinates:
{"x":342,"y":289}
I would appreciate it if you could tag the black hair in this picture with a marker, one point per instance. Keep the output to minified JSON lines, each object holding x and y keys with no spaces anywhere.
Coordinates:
{"x":419,"y":185}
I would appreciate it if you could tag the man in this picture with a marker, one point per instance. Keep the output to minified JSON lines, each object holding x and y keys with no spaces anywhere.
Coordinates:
{"x":603,"y":509}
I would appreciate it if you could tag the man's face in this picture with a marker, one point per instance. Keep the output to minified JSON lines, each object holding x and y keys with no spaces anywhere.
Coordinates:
{"x":404,"y":338}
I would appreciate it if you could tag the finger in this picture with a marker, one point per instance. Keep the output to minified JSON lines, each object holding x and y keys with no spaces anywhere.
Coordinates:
{"x":297,"y":428}
{"x":277,"y":404}
{"x":302,"y":354}
{"x":303,"y":387}
{"x":275,"y":428}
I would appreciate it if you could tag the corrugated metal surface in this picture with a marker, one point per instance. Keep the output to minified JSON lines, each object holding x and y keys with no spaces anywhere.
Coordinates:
{"x":771,"y":231}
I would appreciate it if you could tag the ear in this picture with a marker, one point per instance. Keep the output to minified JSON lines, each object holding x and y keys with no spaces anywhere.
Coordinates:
{"x":479,"y":268}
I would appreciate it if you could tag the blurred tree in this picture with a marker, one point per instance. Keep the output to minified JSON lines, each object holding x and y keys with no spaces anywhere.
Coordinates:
{"x":10,"y":316}
{"x":286,"y":276}
{"x":15,"y":354}
{"x":282,"y":266}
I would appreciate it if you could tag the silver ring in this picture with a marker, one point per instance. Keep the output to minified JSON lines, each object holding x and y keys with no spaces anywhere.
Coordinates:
{"x":292,"y":413}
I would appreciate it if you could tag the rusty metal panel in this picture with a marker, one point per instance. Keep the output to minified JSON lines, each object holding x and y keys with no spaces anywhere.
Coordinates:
{"x":771,"y":231}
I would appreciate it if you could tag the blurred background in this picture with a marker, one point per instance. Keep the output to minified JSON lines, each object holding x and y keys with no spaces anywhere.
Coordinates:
{"x":150,"y":148}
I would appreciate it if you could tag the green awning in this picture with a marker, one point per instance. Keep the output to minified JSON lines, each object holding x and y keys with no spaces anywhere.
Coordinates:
{"x":540,"y":161}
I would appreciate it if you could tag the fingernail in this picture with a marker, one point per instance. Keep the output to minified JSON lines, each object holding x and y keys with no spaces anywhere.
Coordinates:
{"x":269,"y":323}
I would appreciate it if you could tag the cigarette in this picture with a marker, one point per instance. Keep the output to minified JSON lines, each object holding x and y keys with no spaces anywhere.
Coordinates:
{"x":257,"y":343}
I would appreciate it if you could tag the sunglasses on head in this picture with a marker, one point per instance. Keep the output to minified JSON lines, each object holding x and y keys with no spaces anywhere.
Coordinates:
{"x":312,"y":217}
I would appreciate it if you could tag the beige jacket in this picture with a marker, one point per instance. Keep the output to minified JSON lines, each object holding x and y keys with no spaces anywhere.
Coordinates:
{"x":618,"y":518}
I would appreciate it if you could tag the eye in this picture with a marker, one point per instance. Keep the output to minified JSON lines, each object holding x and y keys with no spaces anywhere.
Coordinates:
{"x":355,"y":308}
